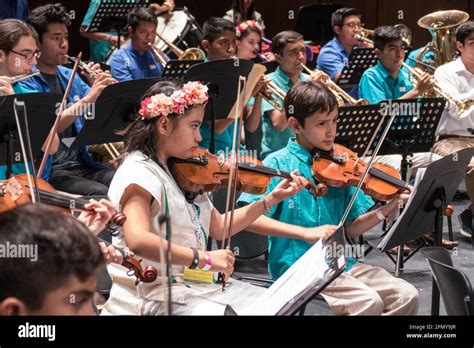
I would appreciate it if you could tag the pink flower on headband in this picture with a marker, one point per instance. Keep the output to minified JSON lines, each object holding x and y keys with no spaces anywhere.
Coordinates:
{"x":242,"y":27}
{"x":192,"y":93}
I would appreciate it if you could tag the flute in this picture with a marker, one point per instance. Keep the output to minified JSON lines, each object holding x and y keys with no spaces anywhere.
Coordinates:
{"x":19,"y":78}
{"x":83,"y":66}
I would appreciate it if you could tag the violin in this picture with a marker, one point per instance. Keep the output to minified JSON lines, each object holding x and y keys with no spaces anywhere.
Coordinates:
{"x":342,"y":167}
{"x":16,"y":191}
{"x":206,"y":172}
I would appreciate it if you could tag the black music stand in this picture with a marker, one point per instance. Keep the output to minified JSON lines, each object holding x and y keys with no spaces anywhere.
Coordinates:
{"x":222,"y":77}
{"x":359,"y":61}
{"x":425,"y":208}
{"x":115,"y":108}
{"x":178,"y":68}
{"x":314,"y":22}
{"x":44,"y":106}
{"x":113,"y":16}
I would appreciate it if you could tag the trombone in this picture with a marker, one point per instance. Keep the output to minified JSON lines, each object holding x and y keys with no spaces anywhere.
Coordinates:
{"x":463,"y":106}
{"x":160,"y":56}
{"x":192,"y":53}
{"x":342,"y":96}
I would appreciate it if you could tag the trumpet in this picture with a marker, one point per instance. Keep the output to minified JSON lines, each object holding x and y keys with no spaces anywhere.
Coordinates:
{"x":462,"y":106}
{"x":342,"y":96}
{"x":19,"y":78}
{"x":83,"y":66}
{"x":159,"y":54}
{"x":274,"y":96}
{"x":364,"y":37}
{"x":192,"y":53}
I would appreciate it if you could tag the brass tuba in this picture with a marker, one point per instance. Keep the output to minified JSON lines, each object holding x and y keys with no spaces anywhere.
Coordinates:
{"x":192,"y":53}
{"x":443,"y":25}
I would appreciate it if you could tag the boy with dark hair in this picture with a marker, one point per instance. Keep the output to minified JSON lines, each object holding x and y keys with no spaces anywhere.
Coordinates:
{"x":346,"y":23}
{"x":136,"y":60}
{"x":455,"y":133}
{"x":72,"y":170}
{"x":296,"y":223}
{"x":386,"y":80}
{"x":58,"y":274}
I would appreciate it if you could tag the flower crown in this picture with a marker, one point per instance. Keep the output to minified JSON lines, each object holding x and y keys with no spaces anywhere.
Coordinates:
{"x":192,"y":93}
{"x":242,"y":27}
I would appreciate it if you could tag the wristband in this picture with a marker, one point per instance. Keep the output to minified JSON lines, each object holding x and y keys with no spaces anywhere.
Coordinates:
{"x":380,"y":215}
{"x":195,"y":259}
{"x":208,"y":264}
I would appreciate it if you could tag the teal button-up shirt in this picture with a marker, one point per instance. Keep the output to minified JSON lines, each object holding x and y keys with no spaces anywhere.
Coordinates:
{"x":302,"y":209}
{"x":377,"y":84}
{"x":273,"y":140}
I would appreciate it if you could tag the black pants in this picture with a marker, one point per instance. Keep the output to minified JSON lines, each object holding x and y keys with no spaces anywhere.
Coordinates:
{"x":82,"y":180}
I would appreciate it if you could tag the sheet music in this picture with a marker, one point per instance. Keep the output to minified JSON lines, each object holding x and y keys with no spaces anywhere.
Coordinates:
{"x":419,"y":176}
{"x":310,"y":271}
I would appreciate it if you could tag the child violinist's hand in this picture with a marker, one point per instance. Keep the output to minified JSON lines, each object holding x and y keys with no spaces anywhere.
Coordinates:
{"x":313,"y":234}
{"x":286,"y":188}
{"x":111,"y":254}
{"x":97,"y":215}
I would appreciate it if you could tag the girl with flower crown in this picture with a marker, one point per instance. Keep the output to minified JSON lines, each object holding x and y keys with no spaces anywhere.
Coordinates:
{"x":144,"y":189}
{"x":249,"y":37}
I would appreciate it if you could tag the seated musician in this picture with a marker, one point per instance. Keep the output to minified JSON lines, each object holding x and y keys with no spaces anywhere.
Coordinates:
{"x":18,"y":54}
{"x":455,"y":133}
{"x":289,"y":50}
{"x":151,"y":191}
{"x":136,"y":59}
{"x":295,"y":224}
{"x":72,"y":170}
{"x":59,"y":274}
{"x":334,"y":56}
{"x":244,"y":10}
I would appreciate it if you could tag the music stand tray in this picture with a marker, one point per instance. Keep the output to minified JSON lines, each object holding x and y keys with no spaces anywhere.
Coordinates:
{"x":359,"y":61}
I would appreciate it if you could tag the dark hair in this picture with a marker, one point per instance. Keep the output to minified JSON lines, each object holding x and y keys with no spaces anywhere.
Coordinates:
{"x":386,"y":34}
{"x":11,"y":31}
{"x":239,"y":16}
{"x":308,"y":97}
{"x":141,"y":14}
{"x":464,"y":30}
{"x":338,"y":16}
{"x":42,"y":16}
{"x":65,"y":248}
{"x":215,"y":27}
{"x":140,"y":135}
{"x":283,"y":38}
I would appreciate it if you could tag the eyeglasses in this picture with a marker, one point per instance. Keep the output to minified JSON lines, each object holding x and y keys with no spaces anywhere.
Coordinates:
{"x":295,"y":52}
{"x":353,"y":25}
{"x":28,"y":56}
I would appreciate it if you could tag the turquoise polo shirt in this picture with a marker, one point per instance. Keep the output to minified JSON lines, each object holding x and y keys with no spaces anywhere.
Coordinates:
{"x":99,"y":48}
{"x":377,"y":84}
{"x":272,"y":139}
{"x":302,"y":209}
{"x":428,"y":57}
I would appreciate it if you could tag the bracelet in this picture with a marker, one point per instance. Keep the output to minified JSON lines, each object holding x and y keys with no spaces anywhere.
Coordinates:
{"x":208,"y":263}
{"x":195,"y":259}
{"x":380,"y":215}
{"x":267,"y":209}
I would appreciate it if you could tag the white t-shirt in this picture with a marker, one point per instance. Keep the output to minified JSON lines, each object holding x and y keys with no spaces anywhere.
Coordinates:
{"x":190,"y":298}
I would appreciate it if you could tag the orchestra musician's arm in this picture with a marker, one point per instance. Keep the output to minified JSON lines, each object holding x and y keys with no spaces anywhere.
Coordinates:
{"x":278,"y":120}
{"x":113,"y":39}
{"x":422,"y":86}
{"x":254,"y":112}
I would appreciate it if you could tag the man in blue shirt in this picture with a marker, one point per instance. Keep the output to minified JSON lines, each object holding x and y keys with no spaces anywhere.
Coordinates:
{"x":386,"y":80}
{"x":334,"y":56}
{"x":136,"y":60}
{"x":17,"y":9}
{"x":296,"y":223}
{"x":73,"y":170}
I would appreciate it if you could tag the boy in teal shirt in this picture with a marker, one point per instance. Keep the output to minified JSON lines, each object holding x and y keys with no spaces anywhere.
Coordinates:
{"x":296,"y":223}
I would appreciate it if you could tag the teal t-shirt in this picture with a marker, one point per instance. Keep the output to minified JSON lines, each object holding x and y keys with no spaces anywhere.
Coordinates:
{"x":377,"y":84}
{"x":99,"y":49}
{"x":272,"y":139}
{"x":302,"y":209}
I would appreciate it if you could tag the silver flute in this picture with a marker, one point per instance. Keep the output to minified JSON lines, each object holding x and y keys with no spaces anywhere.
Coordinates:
{"x":19,"y":78}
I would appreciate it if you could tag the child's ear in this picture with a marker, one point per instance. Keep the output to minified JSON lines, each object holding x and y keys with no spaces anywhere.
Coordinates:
{"x":337,"y":29}
{"x":295,"y":125}
{"x":205,"y":44}
{"x":12,"y":306}
{"x":164,"y":125}
{"x":378,"y":53}
{"x":3,"y":56}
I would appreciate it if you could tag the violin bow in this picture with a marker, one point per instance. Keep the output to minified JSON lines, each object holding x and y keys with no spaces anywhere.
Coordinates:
{"x":234,"y":169}
{"x":58,"y":116}
{"x":369,"y":165}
